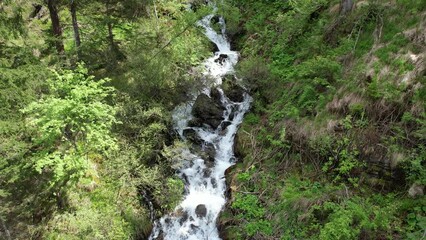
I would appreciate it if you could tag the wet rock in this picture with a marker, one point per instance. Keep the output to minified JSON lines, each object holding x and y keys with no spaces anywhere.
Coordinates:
{"x":160,"y":236}
{"x":185,"y":179}
{"x":178,"y":213}
{"x":213,"y":182}
{"x":210,"y":151}
{"x":192,"y":136}
{"x":216,"y":95}
{"x":215,"y":19}
{"x":214,"y":48}
{"x":195,"y":122}
{"x":206,"y":109}
{"x":214,"y":122}
{"x":194,"y":227}
{"x":225,"y":124}
{"x":221,"y":59}
{"x":233,"y":112}
{"x":236,"y":94}
{"x":184,"y":217}
{"x":226,"y":217}
{"x":223,"y":127}
{"x":207,"y":172}
{"x":201,"y":210}
{"x":232,"y":90}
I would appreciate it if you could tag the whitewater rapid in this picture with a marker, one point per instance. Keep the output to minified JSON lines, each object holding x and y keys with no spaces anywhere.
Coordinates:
{"x":195,"y":217}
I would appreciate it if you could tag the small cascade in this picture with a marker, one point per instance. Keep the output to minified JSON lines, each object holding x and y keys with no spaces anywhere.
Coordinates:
{"x":204,"y":170}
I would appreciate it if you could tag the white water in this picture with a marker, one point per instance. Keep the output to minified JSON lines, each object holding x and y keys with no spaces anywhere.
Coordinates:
{"x":203,"y":188}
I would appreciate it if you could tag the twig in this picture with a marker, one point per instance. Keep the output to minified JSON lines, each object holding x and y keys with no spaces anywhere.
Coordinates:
{"x":357,"y":38}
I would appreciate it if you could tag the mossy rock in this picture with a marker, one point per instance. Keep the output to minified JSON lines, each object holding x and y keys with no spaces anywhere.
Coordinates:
{"x":233,"y":90}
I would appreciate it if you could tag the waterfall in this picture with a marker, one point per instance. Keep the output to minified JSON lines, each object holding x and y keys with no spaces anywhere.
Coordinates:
{"x":195,"y":217}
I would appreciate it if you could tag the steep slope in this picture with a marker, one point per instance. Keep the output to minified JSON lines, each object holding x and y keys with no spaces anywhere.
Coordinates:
{"x":334,"y":147}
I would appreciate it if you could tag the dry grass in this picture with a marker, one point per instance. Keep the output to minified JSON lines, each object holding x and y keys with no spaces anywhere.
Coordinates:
{"x":341,"y":105}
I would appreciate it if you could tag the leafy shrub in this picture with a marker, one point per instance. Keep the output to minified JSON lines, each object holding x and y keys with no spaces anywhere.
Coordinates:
{"x":352,"y":217}
{"x":416,"y":169}
{"x":71,"y":122}
{"x":250,"y":210}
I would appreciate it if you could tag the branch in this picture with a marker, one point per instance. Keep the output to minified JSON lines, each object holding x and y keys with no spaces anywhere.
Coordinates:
{"x":171,"y":40}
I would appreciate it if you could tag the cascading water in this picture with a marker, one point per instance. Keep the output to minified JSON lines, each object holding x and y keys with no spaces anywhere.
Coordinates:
{"x":195,"y":218}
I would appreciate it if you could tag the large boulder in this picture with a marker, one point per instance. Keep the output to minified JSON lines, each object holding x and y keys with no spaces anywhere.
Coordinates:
{"x":195,"y":122}
{"x":232,"y":90}
{"x":209,"y":111}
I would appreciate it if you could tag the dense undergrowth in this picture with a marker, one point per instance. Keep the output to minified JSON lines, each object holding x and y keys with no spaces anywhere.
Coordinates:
{"x":82,"y":131}
{"x":334,"y":147}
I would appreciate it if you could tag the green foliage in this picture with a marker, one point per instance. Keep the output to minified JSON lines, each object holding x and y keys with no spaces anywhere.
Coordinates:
{"x":356,"y":216}
{"x":70,"y":122}
{"x":416,"y":223}
{"x":414,"y":5}
{"x":233,"y":17}
{"x":11,"y":20}
{"x":344,"y":159}
{"x":373,"y":90}
{"x":169,"y":47}
{"x":170,"y":195}
{"x":416,"y":170}
{"x":92,"y":219}
{"x":68,"y":169}
{"x":301,"y":66}
{"x":250,"y":210}
{"x":251,"y":119}
{"x":249,"y":204}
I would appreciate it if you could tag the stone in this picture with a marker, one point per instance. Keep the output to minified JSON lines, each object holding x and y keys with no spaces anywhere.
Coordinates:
{"x":232,"y":90}
{"x":160,"y":236}
{"x":207,"y":172}
{"x":213,"y":182}
{"x":201,"y":211}
{"x":192,"y":136}
{"x":225,"y":124}
{"x":416,"y":190}
{"x":214,"y":48}
{"x":184,"y":217}
{"x":206,"y":109}
{"x":209,"y":149}
{"x":215,"y":19}
{"x":216,"y":95}
{"x":221,"y":59}
{"x":195,"y":122}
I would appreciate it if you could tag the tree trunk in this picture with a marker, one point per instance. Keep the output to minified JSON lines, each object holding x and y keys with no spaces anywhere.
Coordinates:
{"x":346,"y":6}
{"x":109,"y":25}
{"x":73,"y":9}
{"x":111,"y":36}
{"x":56,"y":25}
